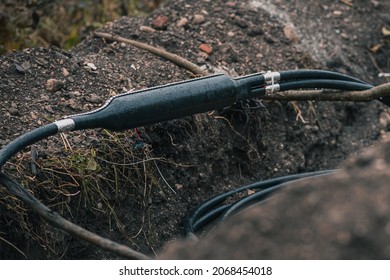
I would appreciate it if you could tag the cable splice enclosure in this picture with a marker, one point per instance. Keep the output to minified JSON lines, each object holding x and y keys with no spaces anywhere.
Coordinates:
{"x":170,"y":101}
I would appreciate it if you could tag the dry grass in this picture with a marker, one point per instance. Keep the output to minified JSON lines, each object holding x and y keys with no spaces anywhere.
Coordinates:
{"x":108,"y":176}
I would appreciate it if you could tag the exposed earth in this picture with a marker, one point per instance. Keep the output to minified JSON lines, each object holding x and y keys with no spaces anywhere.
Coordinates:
{"x":138,"y":187}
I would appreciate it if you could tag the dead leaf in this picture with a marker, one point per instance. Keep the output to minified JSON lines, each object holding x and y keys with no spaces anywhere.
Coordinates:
{"x":375,"y":48}
{"x":385,"y":31}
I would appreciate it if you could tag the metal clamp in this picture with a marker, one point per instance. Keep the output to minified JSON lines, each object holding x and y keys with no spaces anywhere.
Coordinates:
{"x":272,"y":81}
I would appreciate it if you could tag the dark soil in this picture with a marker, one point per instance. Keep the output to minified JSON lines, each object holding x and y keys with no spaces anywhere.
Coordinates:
{"x":199,"y":156}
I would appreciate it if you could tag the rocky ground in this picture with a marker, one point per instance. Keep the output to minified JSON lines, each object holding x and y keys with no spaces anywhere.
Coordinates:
{"x":119,"y":184}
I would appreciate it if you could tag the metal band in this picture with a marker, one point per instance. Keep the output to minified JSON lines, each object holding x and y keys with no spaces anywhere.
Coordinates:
{"x":272,"y":88}
{"x":271,"y":77}
{"x":65,"y":125}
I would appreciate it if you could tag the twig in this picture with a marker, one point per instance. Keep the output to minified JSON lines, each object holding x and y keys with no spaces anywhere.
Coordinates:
{"x":57,"y":221}
{"x":178,"y":60}
{"x":319,"y":95}
{"x":347,"y":2}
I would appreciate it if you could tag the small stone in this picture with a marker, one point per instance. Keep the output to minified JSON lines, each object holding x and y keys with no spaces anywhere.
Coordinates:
{"x":384,"y":119}
{"x":199,"y":19}
{"x":145,"y":28}
{"x":26,"y":65}
{"x":178,"y":186}
{"x":65,"y":72}
{"x":203,"y":55}
{"x":14,"y":112}
{"x":337,"y":13}
{"x":92,"y":66}
{"x":93,"y":98}
{"x":54,"y":85}
{"x":182,"y":22}
{"x":231,"y":4}
{"x":206,"y":48}
{"x":290,"y":33}
{"x":122,"y":45}
{"x":160,"y":22}
{"x":20,"y":69}
{"x":231,"y":34}
{"x":49,"y":109}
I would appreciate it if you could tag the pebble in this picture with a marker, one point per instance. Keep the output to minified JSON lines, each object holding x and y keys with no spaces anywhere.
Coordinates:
{"x":199,"y":19}
{"x":49,"y":109}
{"x":160,"y":22}
{"x":337,"y":13}
{"x":92,"y":66}
{"x":74,"y":94}
{"x":206,"y":48}
{"x":26,"y":65}
{"x":290,"y":33}
{"x":231,"y":4}
{"x":14,"y":111}
{"x":182,"y":22}
{"x":384,"y":119}
{"x":145,"y":28}
{"x":93,"y":98}
{"x":54,"y":85}
{"x":20,"y":69}
{"x":65,"y":72}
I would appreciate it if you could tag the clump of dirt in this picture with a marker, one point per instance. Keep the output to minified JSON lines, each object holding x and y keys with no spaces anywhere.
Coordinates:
{"x":344,"y":215}
{"x":138,"y":187}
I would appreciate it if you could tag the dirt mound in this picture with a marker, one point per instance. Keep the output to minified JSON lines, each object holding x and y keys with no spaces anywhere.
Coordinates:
{"x":344,"y":215}
{"x":119,"y":184}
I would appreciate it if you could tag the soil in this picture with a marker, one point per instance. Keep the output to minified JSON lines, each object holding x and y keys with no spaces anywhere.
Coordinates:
{"x":197,"y":156}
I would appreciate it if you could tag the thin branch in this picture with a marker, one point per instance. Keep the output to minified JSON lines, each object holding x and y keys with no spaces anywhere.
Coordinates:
{"x":59,"y":222}
{"x":321,"y":95}
{"x":178,"y":60}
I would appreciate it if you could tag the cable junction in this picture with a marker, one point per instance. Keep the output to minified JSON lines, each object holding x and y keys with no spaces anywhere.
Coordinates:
{"x":152,"y":105}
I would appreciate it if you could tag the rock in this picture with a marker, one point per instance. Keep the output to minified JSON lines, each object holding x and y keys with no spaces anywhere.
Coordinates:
{"x":19,"y":68}
{"x":231,"y":4}
{"x":290,"y":33}
{"x":384,"y":119}
{"x":182,"y":22}
{"x":54,"y":85}
{"x":93,"y":98}
{"x":91,"y":66}
{"x":206,"y":48}
{"x":231,"y":34}
{"x":337,"y":13}
{"x":160,"y":22}
{"x":65,"y":72}
{"x":23,"y":68}
{"x":198,"y":19}
{"x":145,"y":28}
{"x":14,"y":111}
{"x":49,"y":109}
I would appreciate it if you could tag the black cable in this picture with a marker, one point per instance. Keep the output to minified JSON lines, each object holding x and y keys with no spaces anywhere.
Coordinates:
{"x":323,"y":83}
{"x":305,"y":74}
{"x":260,"y":196}
{"x":212,"y":208}
{"x":25,"y":140}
